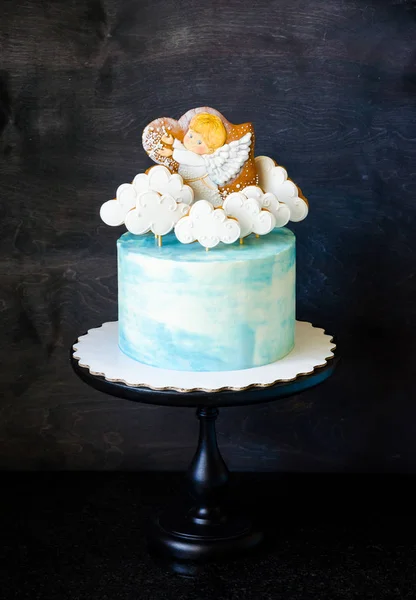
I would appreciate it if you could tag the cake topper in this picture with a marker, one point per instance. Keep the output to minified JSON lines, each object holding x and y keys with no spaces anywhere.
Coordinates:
{"x":207,"y":225}
{"x":249,"y":214}
{"x":213,"y":156}
{"x":273,"y":178}
{"x":268,"y":201}
{"x":155,"y":202}
{"x":207,"y":185}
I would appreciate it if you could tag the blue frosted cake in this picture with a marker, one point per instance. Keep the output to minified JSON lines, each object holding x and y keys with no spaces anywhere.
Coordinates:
{"x":206,"y":272}
{"x":184,"y":309}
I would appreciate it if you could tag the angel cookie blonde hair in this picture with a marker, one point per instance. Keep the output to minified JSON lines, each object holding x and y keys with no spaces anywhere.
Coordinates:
{"x":211,"y":128}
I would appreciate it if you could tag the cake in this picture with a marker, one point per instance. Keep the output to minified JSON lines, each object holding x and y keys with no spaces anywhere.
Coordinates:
{"x":206,"y":271}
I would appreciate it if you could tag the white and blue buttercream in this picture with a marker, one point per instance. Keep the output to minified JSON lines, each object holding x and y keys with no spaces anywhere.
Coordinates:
{"x":186,"y":309}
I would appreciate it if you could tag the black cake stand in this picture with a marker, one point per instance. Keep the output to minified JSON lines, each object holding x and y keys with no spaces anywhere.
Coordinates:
{"x":202,"y":529}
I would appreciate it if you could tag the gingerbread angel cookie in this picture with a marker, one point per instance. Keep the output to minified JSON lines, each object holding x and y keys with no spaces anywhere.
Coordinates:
{"x":213,"y":156}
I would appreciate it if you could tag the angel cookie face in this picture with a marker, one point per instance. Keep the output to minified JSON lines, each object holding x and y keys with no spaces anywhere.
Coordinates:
{"x":213,"y":156}
{"x":206,"y":134}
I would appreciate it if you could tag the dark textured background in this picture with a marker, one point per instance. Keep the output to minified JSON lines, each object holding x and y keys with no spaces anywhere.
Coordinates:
{"x":331,"y":88}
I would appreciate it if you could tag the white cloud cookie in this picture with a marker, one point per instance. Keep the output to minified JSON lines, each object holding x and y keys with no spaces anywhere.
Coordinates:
{"x":268,"y":201}
{"x":169,"y":200}
{"x":155,"y":213}
{"x":273,"y":179}
{"x":207,"y":226}
{"x":249,"y":214}
{"x":160,"y":179}
{"x":113,"y":212}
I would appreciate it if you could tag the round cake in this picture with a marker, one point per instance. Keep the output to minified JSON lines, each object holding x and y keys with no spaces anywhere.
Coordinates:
{"x":186,"y":309}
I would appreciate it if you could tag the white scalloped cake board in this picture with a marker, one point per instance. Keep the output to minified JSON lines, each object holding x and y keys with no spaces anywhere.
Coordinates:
{"x":98,"y":351}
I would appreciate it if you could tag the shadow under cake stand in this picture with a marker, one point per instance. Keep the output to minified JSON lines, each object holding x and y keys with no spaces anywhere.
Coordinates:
{"x":203,"y":530}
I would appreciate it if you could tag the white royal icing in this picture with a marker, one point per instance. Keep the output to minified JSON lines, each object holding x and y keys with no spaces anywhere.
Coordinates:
{"x":113,"y":212}
{"x":249,"y":213}
{"x":207,"y":226}
{"x":155,"y":213}
{"x":268,"y":201}
{"x":155,"y":201}
{"x":160,"y":179}
{"x":225,"y":163}
{"x":273,"y":179}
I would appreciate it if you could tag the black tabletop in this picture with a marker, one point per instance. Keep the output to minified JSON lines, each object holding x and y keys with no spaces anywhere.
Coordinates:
{"x":331,"y":537}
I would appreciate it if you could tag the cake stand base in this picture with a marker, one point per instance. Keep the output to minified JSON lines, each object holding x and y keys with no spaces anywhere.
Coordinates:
{"x":174,"y":535}
{"x":205,"y":531}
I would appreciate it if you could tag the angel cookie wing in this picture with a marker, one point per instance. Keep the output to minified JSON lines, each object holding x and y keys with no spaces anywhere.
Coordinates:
{"x":225,"y":163}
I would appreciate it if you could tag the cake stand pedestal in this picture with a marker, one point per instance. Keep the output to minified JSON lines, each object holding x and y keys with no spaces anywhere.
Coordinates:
{"x":201,"y":529}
